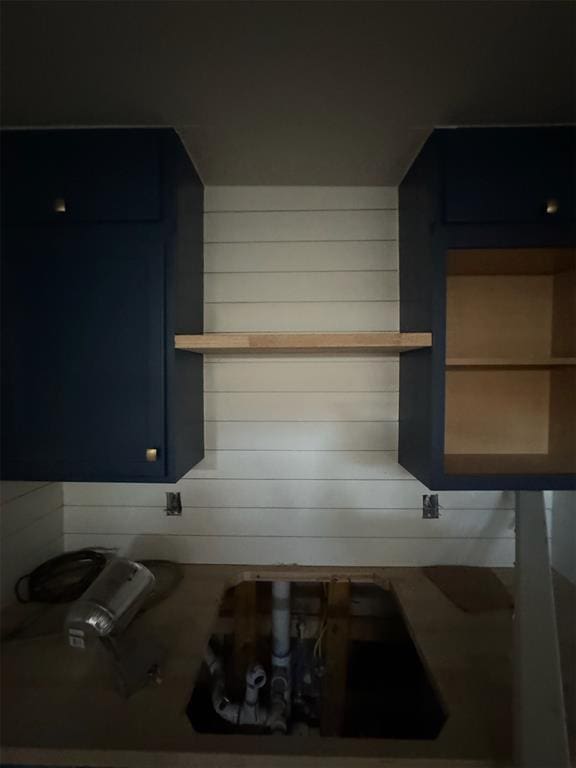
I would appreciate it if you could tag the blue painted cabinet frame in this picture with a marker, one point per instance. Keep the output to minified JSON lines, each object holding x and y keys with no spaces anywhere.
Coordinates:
{"x":484,"y":188}
{"x":102,"y":264}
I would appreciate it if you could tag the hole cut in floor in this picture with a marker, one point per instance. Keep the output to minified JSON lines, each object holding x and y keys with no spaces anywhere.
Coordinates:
{"x":353,"y":670}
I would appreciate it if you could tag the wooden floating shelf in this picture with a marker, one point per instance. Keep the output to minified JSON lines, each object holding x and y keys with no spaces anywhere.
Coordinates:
{"x":383,"y":341}
{"x":508,"y":362}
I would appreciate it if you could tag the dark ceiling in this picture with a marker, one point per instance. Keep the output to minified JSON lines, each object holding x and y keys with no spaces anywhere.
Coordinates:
{"x":285,"y":93}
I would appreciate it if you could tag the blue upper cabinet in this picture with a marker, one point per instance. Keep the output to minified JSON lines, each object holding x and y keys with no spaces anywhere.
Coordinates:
{"x":88,"y":175}
{"x":488,"y":265}
{"x":507,"y":175}
{"x":102,"y":264}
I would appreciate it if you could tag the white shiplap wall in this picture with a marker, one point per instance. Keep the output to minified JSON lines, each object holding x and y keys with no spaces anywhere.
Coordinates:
{"x":30,"y":529}
{"x":301,"y":450}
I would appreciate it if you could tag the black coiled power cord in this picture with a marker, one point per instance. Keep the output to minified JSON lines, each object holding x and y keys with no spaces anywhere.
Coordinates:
{"x":62,"y":579}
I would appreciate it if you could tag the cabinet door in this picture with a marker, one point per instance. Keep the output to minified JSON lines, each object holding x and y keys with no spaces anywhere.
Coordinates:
{"x":83,"y":352}
{"x":494,"y":175}
{"x":80,"y":176}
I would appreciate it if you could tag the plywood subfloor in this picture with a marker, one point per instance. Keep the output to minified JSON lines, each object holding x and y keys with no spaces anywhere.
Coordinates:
{"x":63,"y":711}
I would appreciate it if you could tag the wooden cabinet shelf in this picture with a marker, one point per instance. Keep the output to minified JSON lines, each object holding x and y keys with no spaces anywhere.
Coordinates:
{"x":509,"y":362}
{"x":384,"y":341}
{"x":506,"y":464}
{"x":509,"y":383}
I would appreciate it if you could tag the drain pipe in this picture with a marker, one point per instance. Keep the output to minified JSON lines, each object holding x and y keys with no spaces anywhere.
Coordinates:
{"x":252,"y":713}
{"x":247,"y":713}
{"x":227,"y":709}
{"x":280,"y":684}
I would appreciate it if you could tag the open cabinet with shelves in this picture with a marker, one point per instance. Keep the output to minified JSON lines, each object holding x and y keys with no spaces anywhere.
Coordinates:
{"x":492,"y":405}
{"x":514,"y":309}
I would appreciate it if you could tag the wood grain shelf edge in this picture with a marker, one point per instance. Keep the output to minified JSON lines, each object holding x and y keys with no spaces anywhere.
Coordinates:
{"x":381,"y":341}
{"x":508,"y":362}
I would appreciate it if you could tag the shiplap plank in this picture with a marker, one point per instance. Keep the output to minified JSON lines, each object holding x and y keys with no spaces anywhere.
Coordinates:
{"x":30,"y":529}
{"x":305,"y":551}
{"x":255,"y":198}
{"x":335,"y":494}
{"x":300,"y":406}
{"x":28,"y":548}
{"x":335,"y":523}
{"x":299,"y":465}
{"x":23,"y":510}
{"x":293,"y":226}
{"x":32,"y":538}
{"x":302,"y":316}
{"x":12,"y":489}
{"x":350,"y":256}
{"x":299,"y":436}
{"x":336,"y":356}
{"x":301,"y":286}
{"x":14,"y":567}
{"x":319,"y":375}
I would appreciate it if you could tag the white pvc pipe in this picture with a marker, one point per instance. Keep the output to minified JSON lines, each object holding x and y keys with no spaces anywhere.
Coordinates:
{"x":280,"y":684}
{"x":250,"y":712}
{"x":280,"y":622}
{"x":247,"y":713}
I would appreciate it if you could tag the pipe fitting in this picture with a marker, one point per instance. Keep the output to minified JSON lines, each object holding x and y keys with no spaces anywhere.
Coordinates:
{"x":256,"y":676}
{"x":250,"y":712}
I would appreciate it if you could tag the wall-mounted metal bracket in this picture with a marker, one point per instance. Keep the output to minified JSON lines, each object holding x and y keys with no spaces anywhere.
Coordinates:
{"x":173,"y":504}
{"x":430,"y":507}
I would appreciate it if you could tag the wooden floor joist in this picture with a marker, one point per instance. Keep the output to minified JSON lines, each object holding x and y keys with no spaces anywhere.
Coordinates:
{"x":245,"y":634}
{"x":336,"y":659}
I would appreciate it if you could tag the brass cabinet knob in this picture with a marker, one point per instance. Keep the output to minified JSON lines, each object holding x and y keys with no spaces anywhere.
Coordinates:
{"x":59,"y":205}
{"x":151,"y":454}
{"x":552,"y":206}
